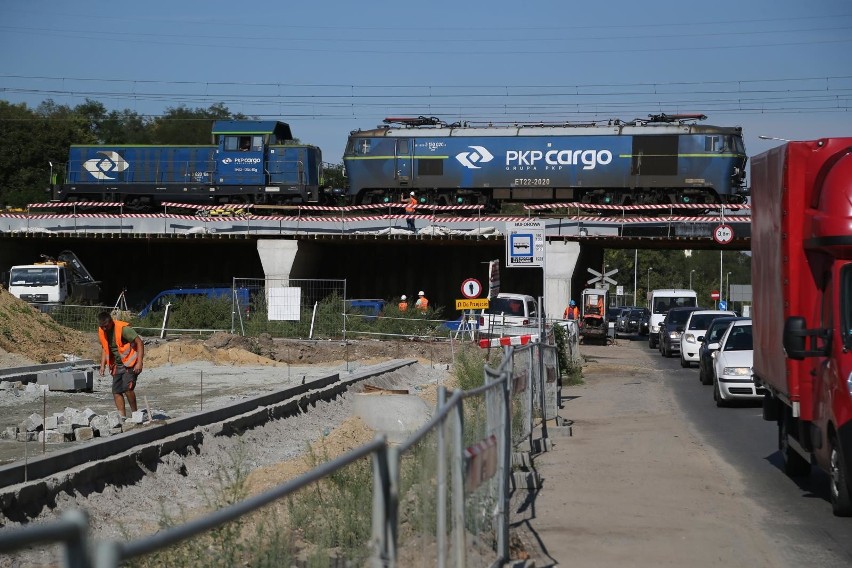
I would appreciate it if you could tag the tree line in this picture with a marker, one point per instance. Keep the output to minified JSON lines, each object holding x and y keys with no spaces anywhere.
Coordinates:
{"x":37,"y":140}
{"x":652,"y":269}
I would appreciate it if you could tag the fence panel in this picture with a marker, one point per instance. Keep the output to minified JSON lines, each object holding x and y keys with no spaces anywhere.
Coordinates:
{"x":81,"y":318}
{"x":294,"y":308}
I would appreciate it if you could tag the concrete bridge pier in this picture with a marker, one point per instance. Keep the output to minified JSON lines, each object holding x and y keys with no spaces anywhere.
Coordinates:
{"x":561,"y":259}
{"x":278,"y":257}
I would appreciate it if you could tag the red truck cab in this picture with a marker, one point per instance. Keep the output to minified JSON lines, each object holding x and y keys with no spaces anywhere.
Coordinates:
{"x":802,"y":278}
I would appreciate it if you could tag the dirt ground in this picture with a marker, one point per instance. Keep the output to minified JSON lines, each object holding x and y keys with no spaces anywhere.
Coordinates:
{"x":634,"y":485}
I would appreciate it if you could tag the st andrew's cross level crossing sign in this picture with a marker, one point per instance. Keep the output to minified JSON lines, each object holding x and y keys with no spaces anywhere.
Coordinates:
{"x":603,"y":278}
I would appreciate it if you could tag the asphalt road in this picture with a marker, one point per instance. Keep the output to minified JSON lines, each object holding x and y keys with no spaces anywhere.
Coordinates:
{"x":807,"y":533}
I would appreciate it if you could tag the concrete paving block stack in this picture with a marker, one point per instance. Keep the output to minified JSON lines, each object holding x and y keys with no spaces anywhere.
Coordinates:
{"x":74,"y":425}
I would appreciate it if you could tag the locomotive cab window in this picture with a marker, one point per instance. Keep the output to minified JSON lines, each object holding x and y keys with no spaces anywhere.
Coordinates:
{"x":359,"y":146}
{"x":244,"y":143}
{"x":402,"y":147}
{"x":712,"y":143}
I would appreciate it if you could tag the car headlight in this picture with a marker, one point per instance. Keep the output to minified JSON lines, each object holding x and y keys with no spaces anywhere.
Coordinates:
{"x":689,"y":338}
{"x":674,"y":334}
{"x":736,"y":371}
{"x":655,"y":328}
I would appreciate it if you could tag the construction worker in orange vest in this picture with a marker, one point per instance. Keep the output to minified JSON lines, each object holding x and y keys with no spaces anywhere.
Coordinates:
{"x":571,"y":312}
{"x":403,"y":303}
{"x":409,"y":210}
{"x":422,"y":302}
{"x":122,"y":350}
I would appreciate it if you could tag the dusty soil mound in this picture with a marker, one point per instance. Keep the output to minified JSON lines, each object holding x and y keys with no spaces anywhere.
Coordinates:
{"x":227,"y":349}
{"x":37,"y":337}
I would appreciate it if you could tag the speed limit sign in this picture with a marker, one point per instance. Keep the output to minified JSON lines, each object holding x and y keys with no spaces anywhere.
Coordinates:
{"x":723,"y":234}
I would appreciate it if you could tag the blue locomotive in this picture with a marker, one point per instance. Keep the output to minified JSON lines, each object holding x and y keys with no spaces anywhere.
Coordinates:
{"x":666,"y":159}
{"x":250,"y":162}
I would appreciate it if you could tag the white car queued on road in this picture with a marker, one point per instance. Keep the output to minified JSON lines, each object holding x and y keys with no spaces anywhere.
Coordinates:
{"x":732,"y":366}
{"x":694,"y":330}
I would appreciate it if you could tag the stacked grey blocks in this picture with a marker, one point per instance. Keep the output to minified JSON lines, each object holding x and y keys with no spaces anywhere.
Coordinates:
{"x":73,"y":425}
{"x":66,"y":380}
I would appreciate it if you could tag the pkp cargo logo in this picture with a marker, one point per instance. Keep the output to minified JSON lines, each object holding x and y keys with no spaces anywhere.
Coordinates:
{"x":107,"y":167}
{"x":477,"y":155}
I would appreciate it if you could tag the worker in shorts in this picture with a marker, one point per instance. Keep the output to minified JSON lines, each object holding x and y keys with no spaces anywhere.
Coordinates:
{"x":122,"y":350}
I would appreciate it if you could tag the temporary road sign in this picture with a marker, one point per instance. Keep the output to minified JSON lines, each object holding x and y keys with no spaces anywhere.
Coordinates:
{"x":714,"y":295}
{"x":472,"y":304}
{"x":525,"y":243}
{"x":723,"y":234}
{"x":471,"y":288}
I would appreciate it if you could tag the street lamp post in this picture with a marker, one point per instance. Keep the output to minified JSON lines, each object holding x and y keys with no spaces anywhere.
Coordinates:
{"x":728,"y":286}
{"x":650,"y":268}
{"x":690,"y":278}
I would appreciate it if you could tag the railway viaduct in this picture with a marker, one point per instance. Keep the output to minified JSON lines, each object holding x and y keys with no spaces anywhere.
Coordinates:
{"x":375,"y":254}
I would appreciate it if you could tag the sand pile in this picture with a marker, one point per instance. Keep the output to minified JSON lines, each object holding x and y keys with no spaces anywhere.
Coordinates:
{"x":36,"y":337}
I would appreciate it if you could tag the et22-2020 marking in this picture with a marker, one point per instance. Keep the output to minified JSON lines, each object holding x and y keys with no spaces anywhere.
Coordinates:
{"x":531,"y":181}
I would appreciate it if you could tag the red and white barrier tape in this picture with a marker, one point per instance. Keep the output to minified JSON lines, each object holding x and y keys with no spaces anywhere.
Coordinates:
{"x":505,"y":341}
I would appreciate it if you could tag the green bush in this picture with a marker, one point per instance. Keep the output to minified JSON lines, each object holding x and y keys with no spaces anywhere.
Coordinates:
{"x":192,"y":312}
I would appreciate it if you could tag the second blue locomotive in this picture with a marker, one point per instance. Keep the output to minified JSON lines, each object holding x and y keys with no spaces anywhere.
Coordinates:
{"x":666,"y":159}
{"x":250,"y":162}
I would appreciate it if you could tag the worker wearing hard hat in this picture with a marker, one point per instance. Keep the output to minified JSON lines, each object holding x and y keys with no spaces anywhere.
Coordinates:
{"x":403,"y":303}
{"x":571,"y":312}
{"x":409,"y":210}
{"x":422,"y":302}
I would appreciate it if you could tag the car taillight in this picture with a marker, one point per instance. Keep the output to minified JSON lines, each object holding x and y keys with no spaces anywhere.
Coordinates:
{"x":526,"y":322}
{"x":481,"y":320}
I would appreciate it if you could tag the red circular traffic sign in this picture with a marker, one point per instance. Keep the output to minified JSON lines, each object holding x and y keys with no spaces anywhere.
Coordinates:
{"x":471,"y":288}
{"x":714,"y":295}
{"x":723,"y":234}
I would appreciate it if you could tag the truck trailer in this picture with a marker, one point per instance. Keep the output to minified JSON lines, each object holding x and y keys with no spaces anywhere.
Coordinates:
{"x":802,"y":278}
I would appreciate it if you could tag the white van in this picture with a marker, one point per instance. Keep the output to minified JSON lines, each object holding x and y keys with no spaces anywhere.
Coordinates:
{"x":661,"y":302}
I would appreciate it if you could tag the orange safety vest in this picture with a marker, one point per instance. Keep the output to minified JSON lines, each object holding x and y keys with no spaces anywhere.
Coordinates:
{"x":422,"y":303}
{"x":403,"y":306}
{"x":571,"y":312}
{"x":125,"y":350}
{"x":409,"y":208}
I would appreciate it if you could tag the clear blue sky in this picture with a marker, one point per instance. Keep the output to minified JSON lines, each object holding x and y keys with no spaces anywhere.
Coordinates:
{"x":775,"y":67}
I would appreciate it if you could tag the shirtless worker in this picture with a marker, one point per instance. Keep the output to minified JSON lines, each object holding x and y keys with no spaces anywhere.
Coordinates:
{"x":122,"y":350}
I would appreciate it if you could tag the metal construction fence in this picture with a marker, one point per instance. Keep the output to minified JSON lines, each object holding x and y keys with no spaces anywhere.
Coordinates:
{"x":439,"y":498}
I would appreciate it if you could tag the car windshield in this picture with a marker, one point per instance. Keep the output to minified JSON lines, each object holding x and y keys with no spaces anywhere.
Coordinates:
{"x":47,"y":276}
{"x":677,"y":317}
{"x":739,"y":339}
{"x":662,"y":304}
{"x":701,"y":321}
{"x":508,"y":306}
{"x":716,"y":331}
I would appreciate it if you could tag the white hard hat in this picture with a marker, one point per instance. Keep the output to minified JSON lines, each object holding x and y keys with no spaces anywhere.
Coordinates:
{"x":420,"y":293}
{"x":403,"y":297}
{"x":411,"y":194}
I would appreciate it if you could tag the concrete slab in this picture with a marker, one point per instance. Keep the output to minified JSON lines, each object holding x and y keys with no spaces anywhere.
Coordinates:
{"x":63,"y":380}
{"x":396,"y":415}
